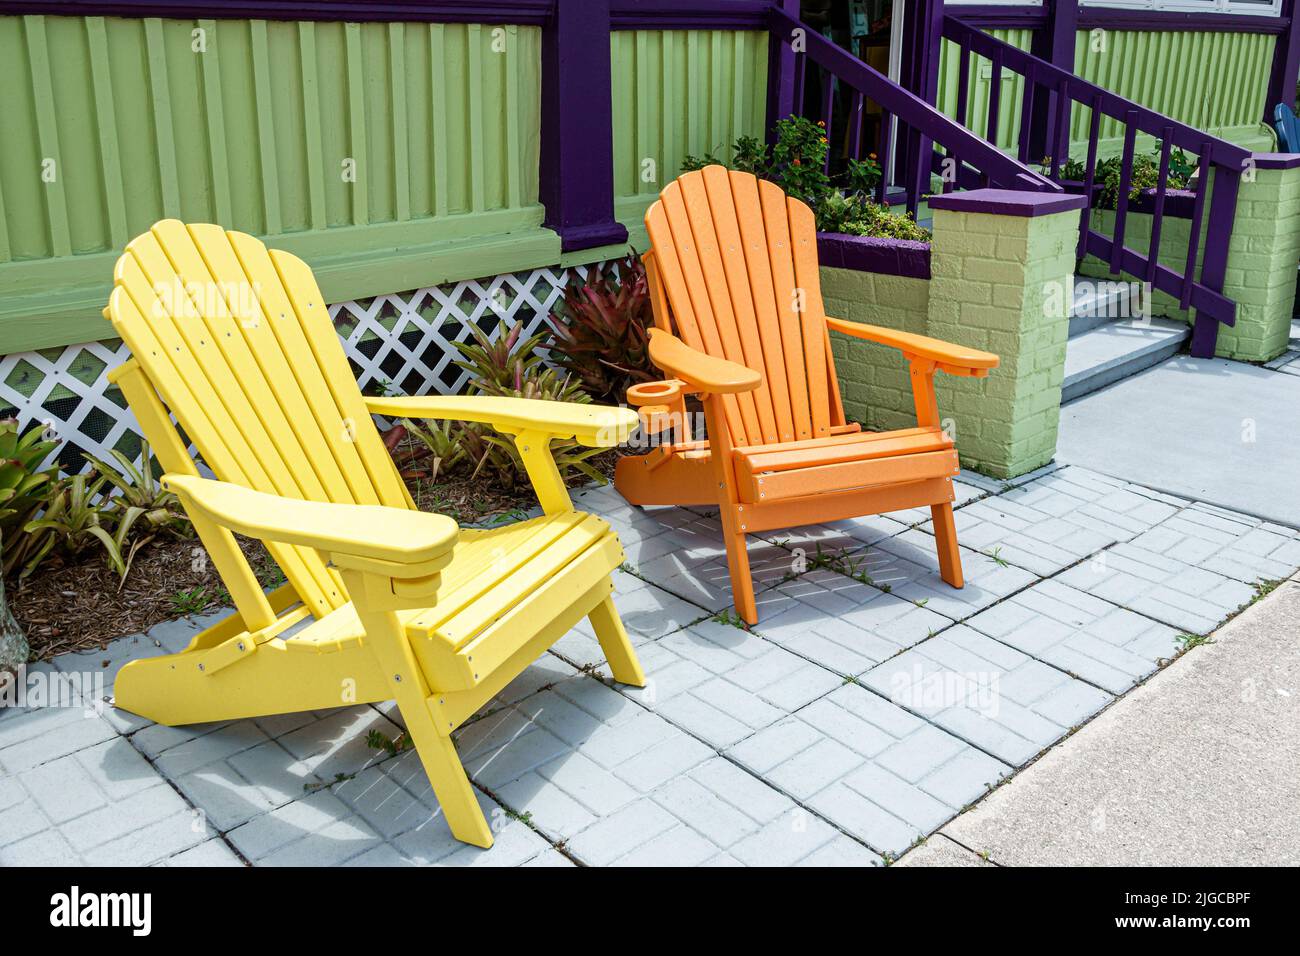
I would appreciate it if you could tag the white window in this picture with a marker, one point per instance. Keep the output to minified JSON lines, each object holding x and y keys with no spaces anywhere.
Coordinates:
{"x":1268,"y":8}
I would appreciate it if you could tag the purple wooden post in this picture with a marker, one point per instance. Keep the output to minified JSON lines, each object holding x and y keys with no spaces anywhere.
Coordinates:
{"x":1286,"y":63}
{"x":922,"y":40}
{"x":577,"y":154}
{"x":1055,"y":44}
{"x":781,"y":71}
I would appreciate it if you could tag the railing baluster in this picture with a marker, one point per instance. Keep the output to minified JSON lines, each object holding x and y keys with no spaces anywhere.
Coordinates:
{"x":1090,"y":174}
{"x":800,"y":67}
{"x":963,"y":97}
{"x":963,"y":83}
{"x":1158,"y":214}
{"x":828,"y":109}
{"x":995,"y":98}
{"x":1026,"y":114}
{"x":1125,"y":183}
{"x":855,"y":126}
{"x":886,"y":120}
{"x":1057,"y":142}
{"x":1198,"y":214}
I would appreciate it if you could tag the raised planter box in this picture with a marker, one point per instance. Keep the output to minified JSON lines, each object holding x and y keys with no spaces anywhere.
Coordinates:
{"x":897,"y":257}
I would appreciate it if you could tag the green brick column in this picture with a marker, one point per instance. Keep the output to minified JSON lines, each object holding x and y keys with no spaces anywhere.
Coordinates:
{"x":1002,"y":266}
{"x":1262,"y":257}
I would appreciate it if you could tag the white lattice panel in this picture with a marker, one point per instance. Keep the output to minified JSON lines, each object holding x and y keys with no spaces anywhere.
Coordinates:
{"x":401,"y":343}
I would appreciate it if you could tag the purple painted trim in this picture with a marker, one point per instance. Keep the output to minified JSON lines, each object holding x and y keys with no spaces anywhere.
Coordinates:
{"x":1276,"y":160}
{"x":530,"y":12}
{"x":994,"y":16}
{"x":1114,"y":18}
{"x":626,"y":14}
{"x":690,"y":14}
{"x":895,"y":257}
{"x":577,"y":155}
{"x":1008,"y":202}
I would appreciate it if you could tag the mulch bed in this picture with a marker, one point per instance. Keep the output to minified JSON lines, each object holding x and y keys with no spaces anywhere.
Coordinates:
{"x":84,"y":605}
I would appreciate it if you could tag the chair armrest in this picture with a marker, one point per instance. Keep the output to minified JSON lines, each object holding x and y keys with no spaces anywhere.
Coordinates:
{"x":944,"y":353}
{"x":702,"y":372}
{"x":596,"y":426}
{"x":396,"y":536}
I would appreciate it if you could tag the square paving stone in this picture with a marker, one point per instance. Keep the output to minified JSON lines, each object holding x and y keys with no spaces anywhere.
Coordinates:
{"x":648,"y":613}
{"x":700,"y":574}
{"x":1002,"y":701}
{"x":1225,"y":542}
{"x":1098,"y":641}
{"x":845,"y":625}
{"x":1182,"y":595}
{"x":871,"y":768}
{"x":908,"y":567}
{"x":721,"y":683}
{"x":1049,"y":524}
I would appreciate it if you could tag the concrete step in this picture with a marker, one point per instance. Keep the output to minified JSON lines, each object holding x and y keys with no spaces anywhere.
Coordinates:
{"x":1098,"y":301}
{"x":1107,"y":353}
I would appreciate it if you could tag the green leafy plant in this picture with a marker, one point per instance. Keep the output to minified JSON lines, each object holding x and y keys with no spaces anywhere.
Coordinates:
{"x":138,"y":488}
{"x":1145,"y":174}
{"x":797,"y":163}
{"x":601,"y":330}
{"x":25,"y":487}
{"x":193,"y":600}
{"x":64,"y":528}
{"x":435,"y":448}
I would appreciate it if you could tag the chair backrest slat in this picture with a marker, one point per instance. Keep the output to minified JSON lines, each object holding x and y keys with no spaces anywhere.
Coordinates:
{"x":239,"y":345}
{"x":737,"y":261}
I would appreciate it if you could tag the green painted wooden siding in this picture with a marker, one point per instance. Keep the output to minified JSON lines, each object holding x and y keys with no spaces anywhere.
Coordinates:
{"x":443,"y":122}
{"x":679,"y":93}
{"x":980,"y":79}
{"x":1213,"y":81}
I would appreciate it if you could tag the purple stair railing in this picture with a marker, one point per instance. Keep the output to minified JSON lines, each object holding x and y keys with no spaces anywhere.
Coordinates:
{"x":1063,"y":89}
{"x":994,"y":167}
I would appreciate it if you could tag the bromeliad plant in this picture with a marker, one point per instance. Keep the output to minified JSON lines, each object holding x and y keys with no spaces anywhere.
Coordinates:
{"x":24,"y":488}
{"x":601,"y":330}
{"x":138,"y":488}
{"x":797,"y":163}
{"x":511,"y":367}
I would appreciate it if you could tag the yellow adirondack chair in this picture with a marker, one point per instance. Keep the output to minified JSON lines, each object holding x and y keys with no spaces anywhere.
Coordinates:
{"x":382,"y":601}
{"x":739,"y":321}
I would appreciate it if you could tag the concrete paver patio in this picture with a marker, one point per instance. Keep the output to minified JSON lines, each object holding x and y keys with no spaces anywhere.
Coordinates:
{"x":871,"y":705}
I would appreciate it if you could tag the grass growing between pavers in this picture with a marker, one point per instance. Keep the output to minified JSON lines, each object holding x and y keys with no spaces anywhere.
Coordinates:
{"x":785,"y":743}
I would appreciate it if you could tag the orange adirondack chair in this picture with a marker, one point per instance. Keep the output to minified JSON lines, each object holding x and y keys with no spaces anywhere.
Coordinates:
{"x":739,"y":321}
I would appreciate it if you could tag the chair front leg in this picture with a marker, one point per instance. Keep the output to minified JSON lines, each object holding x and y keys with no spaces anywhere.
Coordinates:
{"x":418,"y":705}
{"x":730,"y":509}
{"x":922,"y":372}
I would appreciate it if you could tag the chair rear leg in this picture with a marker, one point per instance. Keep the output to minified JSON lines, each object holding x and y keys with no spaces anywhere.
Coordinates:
{"x":615,"y":643}
{"x":432,"y":742}
{"x":945,"y":535}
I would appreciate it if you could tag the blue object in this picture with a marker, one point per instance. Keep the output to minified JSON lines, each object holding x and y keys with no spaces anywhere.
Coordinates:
{"x":1288,"y":129}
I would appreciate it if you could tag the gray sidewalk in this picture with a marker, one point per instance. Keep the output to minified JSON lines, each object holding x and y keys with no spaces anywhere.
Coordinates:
{"x":1198,"y":767}
{"x":870,"y":706}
